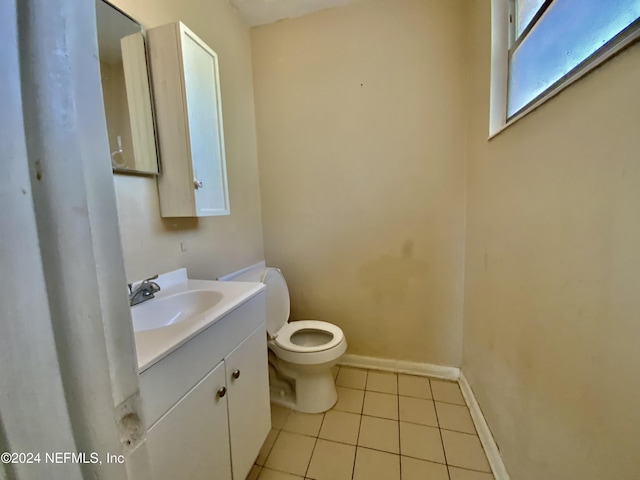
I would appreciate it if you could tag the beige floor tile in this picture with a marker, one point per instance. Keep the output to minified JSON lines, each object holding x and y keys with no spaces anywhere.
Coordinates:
{"x":352,"y":378}
{"x":334,"y":371}
{"x":267,"y":446}
{"x":381,"y":405}
{"x":455,"y":417}
{"x":291,"y":453}
{"x":340,"y":427}
{"x":278,"y":416}
{"x":414,"y":469}
{"x":379,"y":434}
{"x":374,"y":465}
{"x":414,"y":386}
{"x":460,"y":474}
{"x":268,"y":474}
{"x":332,"y":461}
{"x":444,"y":391}
{"x":304,"y":423}
{"x":349,"y":400}
{"x":418,"y":410}
{"x":255,"y":471}
{"x":383,"y":382}
{"x":421,"y":442}
{"x":464,"y":450}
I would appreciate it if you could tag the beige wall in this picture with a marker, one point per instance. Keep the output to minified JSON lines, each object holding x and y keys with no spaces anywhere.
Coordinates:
{"x":361,"y":136}
{"x":552,"y":302}
{"x":215,"y":245}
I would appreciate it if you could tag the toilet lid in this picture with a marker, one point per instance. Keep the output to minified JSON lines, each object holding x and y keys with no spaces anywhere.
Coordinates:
{"x":284,"y":338}
{"x":277,"y":301}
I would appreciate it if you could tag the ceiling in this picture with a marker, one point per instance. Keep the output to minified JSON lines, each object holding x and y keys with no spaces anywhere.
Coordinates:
{"x":260,"y":12}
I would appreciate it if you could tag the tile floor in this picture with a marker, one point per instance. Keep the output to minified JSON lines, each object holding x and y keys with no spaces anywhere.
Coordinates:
{"x":385,"y":426}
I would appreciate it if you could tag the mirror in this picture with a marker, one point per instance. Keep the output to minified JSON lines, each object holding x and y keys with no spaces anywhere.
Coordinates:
{"x":126,"y":92}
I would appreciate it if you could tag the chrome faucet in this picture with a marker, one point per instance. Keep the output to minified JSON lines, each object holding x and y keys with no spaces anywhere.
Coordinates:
{"x":143,"y":292}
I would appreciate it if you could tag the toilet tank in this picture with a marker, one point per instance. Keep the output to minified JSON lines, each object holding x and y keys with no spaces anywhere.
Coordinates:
{"x":277,"y":293}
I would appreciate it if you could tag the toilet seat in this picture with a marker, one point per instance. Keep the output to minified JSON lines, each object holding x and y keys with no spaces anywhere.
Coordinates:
{"x":286,"y":333}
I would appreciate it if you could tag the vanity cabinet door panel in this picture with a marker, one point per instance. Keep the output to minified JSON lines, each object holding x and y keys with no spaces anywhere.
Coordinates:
{"x":249,"y":409}
{"x":192,"y":439}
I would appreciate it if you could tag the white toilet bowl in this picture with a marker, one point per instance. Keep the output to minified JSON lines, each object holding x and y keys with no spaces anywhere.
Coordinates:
{"x":301,"y":353}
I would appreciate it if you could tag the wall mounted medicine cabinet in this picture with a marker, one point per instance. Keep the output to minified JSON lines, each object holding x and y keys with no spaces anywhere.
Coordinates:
{"x":126,"y":92}
{"x":186,"y":90}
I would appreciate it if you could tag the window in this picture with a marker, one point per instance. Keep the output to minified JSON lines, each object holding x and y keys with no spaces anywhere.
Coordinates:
{"x":554,"y":41}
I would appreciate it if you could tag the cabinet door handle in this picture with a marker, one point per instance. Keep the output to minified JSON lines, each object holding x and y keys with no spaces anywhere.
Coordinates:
{"x":236,"y":374}
{"x":198,"y":184}
{"x":222,"y":392}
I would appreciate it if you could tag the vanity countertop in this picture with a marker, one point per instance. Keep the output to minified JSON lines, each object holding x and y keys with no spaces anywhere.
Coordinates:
{"x":153,"y":345}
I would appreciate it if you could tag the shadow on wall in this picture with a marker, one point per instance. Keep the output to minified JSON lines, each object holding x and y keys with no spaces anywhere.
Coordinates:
{"x":180,"y":223}
{"x":388,"y":278}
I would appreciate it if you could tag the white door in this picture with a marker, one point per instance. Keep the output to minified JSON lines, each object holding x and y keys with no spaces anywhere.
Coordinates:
{"x":204,"y":115}
{"x":191,"y":441}
{"x":249,"y":409}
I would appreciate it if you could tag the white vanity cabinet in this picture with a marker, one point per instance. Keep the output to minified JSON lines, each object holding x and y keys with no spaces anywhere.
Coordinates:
{"x":186,"y":91}
{"x":208,"y":401}
{"x":249,"y":409}
{"x":192,"y":439}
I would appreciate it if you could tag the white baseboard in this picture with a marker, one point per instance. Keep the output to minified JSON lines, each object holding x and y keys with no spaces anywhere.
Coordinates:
{"x":400,"y":366}
{"x":486,"y":438}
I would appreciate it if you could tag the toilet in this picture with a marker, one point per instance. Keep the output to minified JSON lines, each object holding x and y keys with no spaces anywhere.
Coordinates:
{"x":301,"y":353}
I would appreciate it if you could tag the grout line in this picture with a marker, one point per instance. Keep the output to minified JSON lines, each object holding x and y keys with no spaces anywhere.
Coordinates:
{"x":337,"y":441}
{"x":441,"y":401}
{"x":409,"y":456}
{"x":378,"y":391}
{"x":314,"y":445}
{"x":398,"y":419}
{"x":280,"y":471}
{"x":271,"y":449}
{"x":444,"y":452}
{"x":310,"y":458}
{"x":278,"y":430}
{"x":471,"y":469}
{"x":470,"y":416}
{"x":425,"y":460}
{"x":355,"y":458}
{"x":306,"y":434}
{"x":349,"y":388}
{"x":458,"y":431}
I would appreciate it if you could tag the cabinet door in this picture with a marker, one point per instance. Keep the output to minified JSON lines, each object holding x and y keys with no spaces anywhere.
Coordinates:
{"x":204,"y":115}
{"x":249,"y":410}
{"x":191,"y":440}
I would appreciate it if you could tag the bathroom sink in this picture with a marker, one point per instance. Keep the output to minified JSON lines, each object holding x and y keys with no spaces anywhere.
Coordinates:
{"x":180,"y":310}
{"x":173,"y":309}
